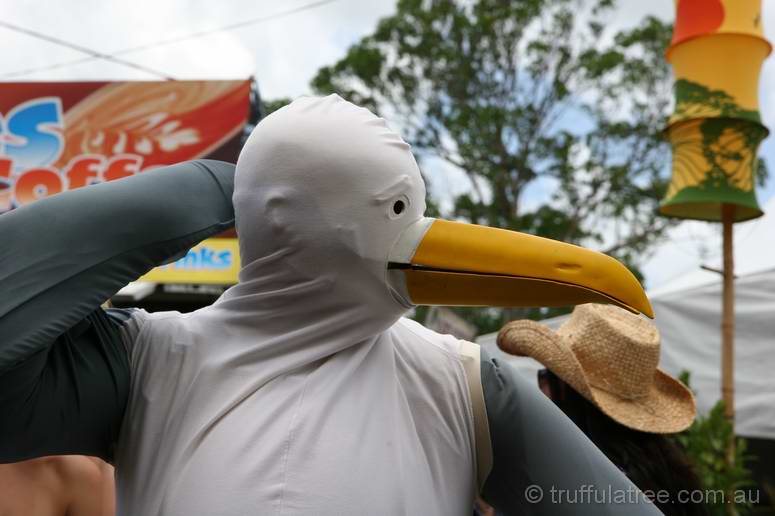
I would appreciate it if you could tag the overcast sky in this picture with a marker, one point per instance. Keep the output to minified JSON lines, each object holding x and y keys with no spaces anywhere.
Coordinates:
{"x":283,"y":52}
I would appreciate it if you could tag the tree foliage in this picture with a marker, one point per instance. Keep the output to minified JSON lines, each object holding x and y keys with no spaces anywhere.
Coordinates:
{"x":527,"y":97}
{"x":270,"y":106}
{"x":705,"y":443}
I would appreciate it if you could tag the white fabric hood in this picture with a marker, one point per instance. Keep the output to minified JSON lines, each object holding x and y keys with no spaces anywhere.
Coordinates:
{"x":315,"y":194}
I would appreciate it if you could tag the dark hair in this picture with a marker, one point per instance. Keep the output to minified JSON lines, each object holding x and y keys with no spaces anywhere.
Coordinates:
{"x":653,"y":462}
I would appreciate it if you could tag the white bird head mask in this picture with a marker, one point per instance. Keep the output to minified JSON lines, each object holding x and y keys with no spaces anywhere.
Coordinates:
{"x":331,"y":202}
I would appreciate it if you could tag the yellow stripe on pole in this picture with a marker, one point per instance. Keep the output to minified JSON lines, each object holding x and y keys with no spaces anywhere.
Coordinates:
{"x":718,"y":76}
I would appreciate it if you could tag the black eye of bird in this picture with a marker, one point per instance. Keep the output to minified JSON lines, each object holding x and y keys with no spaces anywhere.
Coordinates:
{"x":398,"y":207}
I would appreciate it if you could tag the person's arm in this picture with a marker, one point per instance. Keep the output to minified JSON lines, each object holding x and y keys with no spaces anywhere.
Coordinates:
{"x":64,"y":255}
{"x":64,"y":372}
{"x":542,"y":463}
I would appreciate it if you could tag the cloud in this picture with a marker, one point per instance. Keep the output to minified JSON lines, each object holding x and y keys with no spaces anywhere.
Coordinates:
{"x":283,"y":53}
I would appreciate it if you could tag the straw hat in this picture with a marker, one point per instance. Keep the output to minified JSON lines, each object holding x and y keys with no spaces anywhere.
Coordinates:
{"x":610,"y":357}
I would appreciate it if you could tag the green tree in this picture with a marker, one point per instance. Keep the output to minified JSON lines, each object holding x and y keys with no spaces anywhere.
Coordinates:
{"x":270,"y":106}
{"x":534,"y":92}
{"x":522,"y":93}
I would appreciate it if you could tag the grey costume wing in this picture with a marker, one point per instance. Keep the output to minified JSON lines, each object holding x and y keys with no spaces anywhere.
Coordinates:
{"x":64,"y":371}
{"x":543,"y":464}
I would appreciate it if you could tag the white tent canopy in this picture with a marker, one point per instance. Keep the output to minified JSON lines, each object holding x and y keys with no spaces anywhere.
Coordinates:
{"x":688,"y":315}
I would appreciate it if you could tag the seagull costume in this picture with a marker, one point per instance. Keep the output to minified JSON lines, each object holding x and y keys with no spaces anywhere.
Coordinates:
{"x":301,"y":390}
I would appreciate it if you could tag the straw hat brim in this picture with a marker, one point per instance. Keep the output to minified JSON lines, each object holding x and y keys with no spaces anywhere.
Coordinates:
{"x":667,"y":407}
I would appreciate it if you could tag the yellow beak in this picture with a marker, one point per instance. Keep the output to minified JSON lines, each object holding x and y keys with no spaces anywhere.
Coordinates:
{"x":456,"y":264}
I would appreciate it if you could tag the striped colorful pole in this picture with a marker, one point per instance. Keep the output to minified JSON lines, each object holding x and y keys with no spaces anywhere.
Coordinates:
{"x":717,"y":52}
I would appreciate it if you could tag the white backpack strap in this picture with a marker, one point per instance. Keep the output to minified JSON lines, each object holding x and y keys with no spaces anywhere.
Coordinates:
{"x":471,"y":355}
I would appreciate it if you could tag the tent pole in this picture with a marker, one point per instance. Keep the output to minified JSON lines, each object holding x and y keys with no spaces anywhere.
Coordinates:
{"x":728,"y":328}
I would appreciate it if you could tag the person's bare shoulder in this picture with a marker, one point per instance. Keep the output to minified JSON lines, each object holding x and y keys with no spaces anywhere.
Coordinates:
{"x":64,"y":485}
{"x":88,"y":484}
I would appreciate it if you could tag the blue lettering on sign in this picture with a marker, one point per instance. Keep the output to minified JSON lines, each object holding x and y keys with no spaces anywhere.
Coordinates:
{"x":32,"y":133}
{"x":205,"y":258}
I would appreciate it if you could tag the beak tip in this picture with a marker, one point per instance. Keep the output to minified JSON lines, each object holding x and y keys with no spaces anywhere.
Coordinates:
{"x":643,"y":306}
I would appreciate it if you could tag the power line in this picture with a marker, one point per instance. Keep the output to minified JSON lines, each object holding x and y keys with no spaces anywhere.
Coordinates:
{"x":92,"y":53}
{"x":238,"y":25}
{"x":160,"y":43}
{"x":64,"y":64}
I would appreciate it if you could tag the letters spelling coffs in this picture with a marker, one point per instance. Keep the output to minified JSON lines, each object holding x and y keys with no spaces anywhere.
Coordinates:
{"x":31,"y":141}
